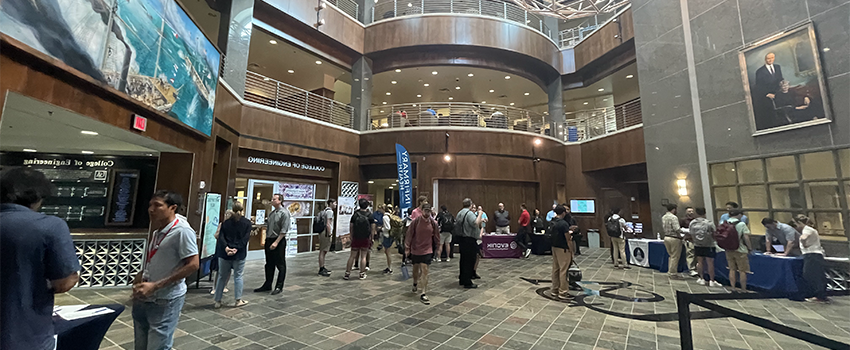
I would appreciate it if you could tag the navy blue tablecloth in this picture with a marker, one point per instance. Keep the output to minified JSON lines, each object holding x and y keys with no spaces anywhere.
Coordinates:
{"x":540,"y":246}
{"x":85,"y":333}
{"x":658,"y":257}
{"x":771,"y":274}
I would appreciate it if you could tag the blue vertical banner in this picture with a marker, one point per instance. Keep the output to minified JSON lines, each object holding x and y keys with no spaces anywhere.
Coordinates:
{"x":405,"y":188}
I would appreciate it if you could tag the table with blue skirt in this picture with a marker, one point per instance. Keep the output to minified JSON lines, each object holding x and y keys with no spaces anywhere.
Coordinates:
{"x":85,"y":333}
{"x":540,"y":245}
{"x":782,"y":276}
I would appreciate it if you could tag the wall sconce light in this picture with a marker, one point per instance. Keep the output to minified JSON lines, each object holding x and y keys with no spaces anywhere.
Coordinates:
{"x":683,"y":187}
{"x":447,"y":158}
{"x":537,"y":142}
{"x":320,"y":22}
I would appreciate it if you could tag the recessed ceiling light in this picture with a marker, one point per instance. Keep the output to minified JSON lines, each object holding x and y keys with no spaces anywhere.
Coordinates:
{"x":86,"y":132}
{"x":426,"y":84}
{"x":600,"y":89}
{"x":512,"y":103}
{"x":470,"y":75}
{"x":382,"y":111}
{"x":492,"y":90}
{"x":389,"y":93}
{"x":434,"y":73}
{"x":394,"y":82}
{"x":371,"y":182}
{"x":483,"y":101}
{"x":398,"y":70}
{"x":290,"y":71}
{"x":318,"y":62}
{"x":526,"y":94}
{"x":88,"y":152}
{"x":457,"y":87}
{"x":383,"y":103}
{"x":409,"y":5}
{"x":507,"y":77}
{"x":585,"y":103}
{"x":266,"y":79}
{"x":391,"y":187}
{"x":418,"y":95}
{"x":451,"y":98}
{"x":630,"y":76}
{"x":414,"y":105}
{"x":604,"y":99}
{"x":273,"y":42}
{"x":30,"y":150}
{"x":385,"y":124}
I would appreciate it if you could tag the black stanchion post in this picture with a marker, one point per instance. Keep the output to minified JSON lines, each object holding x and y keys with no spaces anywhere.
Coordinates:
{"x":683,"y":307}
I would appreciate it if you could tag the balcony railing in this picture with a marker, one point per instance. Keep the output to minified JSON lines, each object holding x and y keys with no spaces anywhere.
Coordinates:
{"x":589,"y":124}
{"x":272,"y":93}
{"x":456,"y":114}
{"x":387,"y":9}
{"x":350,"y":7}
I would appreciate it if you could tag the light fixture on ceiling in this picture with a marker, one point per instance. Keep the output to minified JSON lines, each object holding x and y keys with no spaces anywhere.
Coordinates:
{"x":318,"y":62}
{"x":382,"y":111}
{"x":391,"y":187}
{"x":266,"y":79}
{"x":507,"y":77}
{"x":434,"y":73}
{"x":600,"y":89}
{"x":447,"y":158}
{"x":491,"y":90}
{"x":457,"y":87}
{"x":825,"y":49}
{"x":290,"y":71}
{"x":86,"y":132}
{"x":426,"y":84}
{"x":385,"y":124}
{"x":88,"y":152}
{"x":604,"y":99}
{"x":273,"y":42}
{"x":451,"y":98}
{"x":389,"y":93}
{"x":418,"y":95}
{"x":393,"y":82}
{"x":585,"y":103}
{"x":483,"y":101}
{"x":371,"y":182}
{"x":470,"y":75}
{"x":383,"y":103}
{"x":526,"y":94}
{"x":512,"y":103}
{"x":630,"y":76}
{"x":398,"y":70}
{"x":414,"y":105}
{"x":30,"y":150}
{"x":409,"y":5}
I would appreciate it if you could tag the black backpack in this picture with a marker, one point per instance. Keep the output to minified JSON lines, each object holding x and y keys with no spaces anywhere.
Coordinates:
{"x":447,"y":222}
{"x":550,"y":231}
{"x":362,"y":226}
{"x":613,"y":227}
{"x":319,"y":222}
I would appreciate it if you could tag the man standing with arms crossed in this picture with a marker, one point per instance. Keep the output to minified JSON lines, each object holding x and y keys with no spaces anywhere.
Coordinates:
{"x":502,"y":219}
{"x":160,"y":289}
{"x":278,"y":227}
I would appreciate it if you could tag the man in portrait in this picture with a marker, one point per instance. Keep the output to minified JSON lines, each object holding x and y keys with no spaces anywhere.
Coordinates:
{"x":768,"y":77}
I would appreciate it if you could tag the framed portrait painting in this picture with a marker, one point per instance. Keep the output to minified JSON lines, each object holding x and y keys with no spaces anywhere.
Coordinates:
{"x":784,"y":82}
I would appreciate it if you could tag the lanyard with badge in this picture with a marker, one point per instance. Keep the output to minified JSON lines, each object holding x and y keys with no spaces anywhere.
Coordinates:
{"x":155,"y":248}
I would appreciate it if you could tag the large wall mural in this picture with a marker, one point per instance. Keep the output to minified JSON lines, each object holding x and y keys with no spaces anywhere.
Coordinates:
{"x":148,"y":49}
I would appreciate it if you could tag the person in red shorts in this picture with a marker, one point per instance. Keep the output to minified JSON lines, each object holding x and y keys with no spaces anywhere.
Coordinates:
{"x":362,"y":232}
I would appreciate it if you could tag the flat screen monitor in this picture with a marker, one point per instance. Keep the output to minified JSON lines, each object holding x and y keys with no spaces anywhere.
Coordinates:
{"x":583,"y":206}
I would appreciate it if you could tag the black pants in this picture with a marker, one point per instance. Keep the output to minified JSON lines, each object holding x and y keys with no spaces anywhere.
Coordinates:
{"x":275,"y":259}
{"x":522,"y":237}
{"x":468,"y":247}
{"x":813,"y":273}
{"x":577,"y":240}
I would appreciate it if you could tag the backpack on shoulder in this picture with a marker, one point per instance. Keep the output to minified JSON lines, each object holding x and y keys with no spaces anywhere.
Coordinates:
{"x":319,"y":222}
{"x":548,"y":233}
{"x":362,"y":226}
{"x":448,"y":223}
{"x":613,"y":227}
{"x":727,"y":236}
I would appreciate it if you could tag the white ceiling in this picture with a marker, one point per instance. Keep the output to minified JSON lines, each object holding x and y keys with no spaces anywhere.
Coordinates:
{"x":33,"y":124}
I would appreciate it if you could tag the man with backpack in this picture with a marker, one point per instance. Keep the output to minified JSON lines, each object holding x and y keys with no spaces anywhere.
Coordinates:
{"x":734,"y":237}
{"x":447,"y":225}
{"x":361,"y":229}
{"x":323,"y":225}
{"x":559,"y":235}
{"x":616,"y":228}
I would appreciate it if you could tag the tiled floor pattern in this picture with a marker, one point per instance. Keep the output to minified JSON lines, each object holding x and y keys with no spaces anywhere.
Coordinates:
{"x":381,"y":312}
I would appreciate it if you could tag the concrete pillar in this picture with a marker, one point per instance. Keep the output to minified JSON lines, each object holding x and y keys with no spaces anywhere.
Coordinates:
{"x":555,"y":90}
{"x":552,"y":26}
{"x":361,"y":92}
{"x":238,"y":44}
{"x":364,"y":8}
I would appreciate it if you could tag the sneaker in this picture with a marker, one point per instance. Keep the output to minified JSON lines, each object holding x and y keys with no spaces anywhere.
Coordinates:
{"x":527,"y":253}
{"x":362,"y":276}
{"x":424,"y":299}
{"x":217,"y":305}
{"x":627,"y":267}
{"x":700,"y":281}
{"x":262,"y":289}
{"x":324,"y":273}
{"x":367,"y":268}
{"x":694,"y":274}
{"x":448,"y":259}
{"x":240,"y":303}
{"x":387,"y":271}
{"x":415,"y":288}
{"x":714,"y":284}
{"x":347,"y":276}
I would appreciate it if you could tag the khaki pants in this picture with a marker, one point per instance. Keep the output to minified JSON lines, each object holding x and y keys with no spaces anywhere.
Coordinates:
{"x":674,"y":248}
{"x":618,"y":247}
{"x":689,"y":256}
{"x":561,"y":259}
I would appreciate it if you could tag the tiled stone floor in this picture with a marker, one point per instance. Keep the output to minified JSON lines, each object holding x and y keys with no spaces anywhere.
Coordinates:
{"x":503,"y":313}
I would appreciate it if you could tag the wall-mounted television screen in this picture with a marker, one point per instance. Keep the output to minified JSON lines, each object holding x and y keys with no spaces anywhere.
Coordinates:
{"x":583,"y":206}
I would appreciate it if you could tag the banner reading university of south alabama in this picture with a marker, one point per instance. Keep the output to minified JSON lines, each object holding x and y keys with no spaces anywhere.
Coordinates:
{"x":405,"y":190}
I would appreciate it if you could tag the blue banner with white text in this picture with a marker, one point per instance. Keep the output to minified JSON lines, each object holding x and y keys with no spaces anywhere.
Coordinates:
{"x":405,"y":188}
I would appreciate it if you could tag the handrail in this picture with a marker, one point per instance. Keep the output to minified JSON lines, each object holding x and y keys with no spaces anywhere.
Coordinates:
{"x":457,"y":114}
{"x":588,"y":124}
{"x":275,"y":94}
{"x":387,"y":9}
{"x":597,"y":27}
{"x":350,"y":7}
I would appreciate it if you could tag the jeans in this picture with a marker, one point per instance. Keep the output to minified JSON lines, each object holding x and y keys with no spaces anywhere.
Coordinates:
{"x":813,"y":273}
{"x":577,"y":239}
{"x":224,"y":267}
{"x":154,"y":322}
{"x":674,"y":249}
{"x":468,"y":252}
{"x":275,"y":259}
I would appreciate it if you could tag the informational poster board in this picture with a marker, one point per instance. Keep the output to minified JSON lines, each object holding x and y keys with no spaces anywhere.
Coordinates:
{"x":212,"y":210}
{"x":122,"y":197}
{"x":293,"y":191}
{"x":292,"y":238}
{"x":261,"y":217}
{"x":347,"y":205}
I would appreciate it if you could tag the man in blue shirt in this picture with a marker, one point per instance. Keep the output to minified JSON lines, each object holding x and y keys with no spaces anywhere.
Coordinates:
{"x":551,"y":214}
{"x":37,"y":260}
{"x":732,"y":206}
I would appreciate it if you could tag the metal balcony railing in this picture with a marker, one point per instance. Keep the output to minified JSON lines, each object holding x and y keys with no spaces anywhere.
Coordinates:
{"x":589,"y":124}
{"x":446,"y":114}
{"x":272,"y":93}
{"x":350,"y":7}
{"x":570,"y":37}
{"x":387,"y":9}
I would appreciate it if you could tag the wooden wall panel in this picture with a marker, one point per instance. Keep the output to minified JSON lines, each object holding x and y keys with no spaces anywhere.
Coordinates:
{"x":312,"y":138}
{"x":621,"y":149}
{"x":228,"y":110}
{"x":604,"y":40}
{"x":488,"y":194}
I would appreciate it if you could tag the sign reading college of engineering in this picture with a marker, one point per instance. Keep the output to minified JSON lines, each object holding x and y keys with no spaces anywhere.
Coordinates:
{"x":285,"y":164}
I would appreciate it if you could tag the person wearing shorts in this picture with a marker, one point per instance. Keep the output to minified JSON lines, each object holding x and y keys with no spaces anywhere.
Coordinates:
{"x":739,"y":259}
{"x":361,"y":238}
{"x":701,"y":232}
{"x":386,"y":240}
{"x":326,"y":237}
{"x":422,"y":237}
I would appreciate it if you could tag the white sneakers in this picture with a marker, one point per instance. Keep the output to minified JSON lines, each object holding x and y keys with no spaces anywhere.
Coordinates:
{"x":700,"y":281}
{"x":714,"y":284}
{"x":694,"y":273}
{"x":527,"y":253}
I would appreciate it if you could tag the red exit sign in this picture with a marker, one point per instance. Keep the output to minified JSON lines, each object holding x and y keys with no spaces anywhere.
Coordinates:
{"x":140,"y":123}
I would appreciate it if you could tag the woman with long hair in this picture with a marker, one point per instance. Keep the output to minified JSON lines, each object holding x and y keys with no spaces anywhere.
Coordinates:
{"x":813,"y":262}
{"x":232,"y":252}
